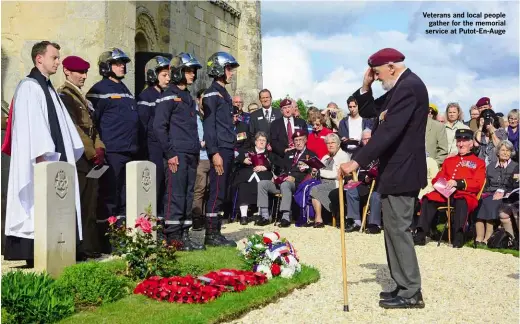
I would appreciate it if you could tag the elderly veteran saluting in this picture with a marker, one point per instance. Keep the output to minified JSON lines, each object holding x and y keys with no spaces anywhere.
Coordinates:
{"x":398,"y":142}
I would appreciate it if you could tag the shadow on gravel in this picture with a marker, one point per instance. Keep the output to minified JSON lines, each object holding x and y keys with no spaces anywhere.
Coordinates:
{"x":514,"y":276}
{"x":382,"y":276}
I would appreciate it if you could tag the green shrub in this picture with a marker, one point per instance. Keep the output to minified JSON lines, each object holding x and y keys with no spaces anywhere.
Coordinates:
{"x":92,"y":284}
{"x":7,"y":318}
{"x":33,"y":298}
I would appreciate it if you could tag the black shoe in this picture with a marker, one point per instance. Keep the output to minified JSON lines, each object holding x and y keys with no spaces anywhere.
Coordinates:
{"x":243,"y":220}
{"x":92,"y":255}
{"x":458,"y":240}
{"x":318,"y":225}
{"x":284,"y":223}
{"x":80,"y":256}
{"x":388,"y":294}
{"x":372,"y":229}
{"x":217,"y":239}
{"x":262,"y":222}
{"x":419,"y":238}
{"x":188,"y":244}
{"x":352,"y":228}
{"x":198,"y":223}
{"x":416,"y":301}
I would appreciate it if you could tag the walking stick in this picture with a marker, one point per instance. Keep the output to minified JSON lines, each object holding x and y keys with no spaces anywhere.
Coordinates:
{"x":365,"y":210}
{"x":343,"y":242}
{"x":448,"y":214}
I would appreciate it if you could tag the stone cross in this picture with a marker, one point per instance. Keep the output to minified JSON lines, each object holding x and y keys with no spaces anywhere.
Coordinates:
{"x":54,"y":217}
{"x":141,"y":190}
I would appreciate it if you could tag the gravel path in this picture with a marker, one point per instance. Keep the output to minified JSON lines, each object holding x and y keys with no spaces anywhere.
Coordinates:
{"x":459,"y":285}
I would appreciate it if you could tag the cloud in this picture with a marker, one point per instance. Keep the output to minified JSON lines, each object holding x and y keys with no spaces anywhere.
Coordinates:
{"x":323,"y":67}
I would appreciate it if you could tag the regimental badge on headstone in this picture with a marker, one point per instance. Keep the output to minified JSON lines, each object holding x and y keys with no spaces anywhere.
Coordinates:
{"x":61,"y":184}
{"x":146,"y":180}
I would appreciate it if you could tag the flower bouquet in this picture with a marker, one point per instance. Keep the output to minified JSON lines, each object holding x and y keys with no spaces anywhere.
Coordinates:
{"x":270,"y":254}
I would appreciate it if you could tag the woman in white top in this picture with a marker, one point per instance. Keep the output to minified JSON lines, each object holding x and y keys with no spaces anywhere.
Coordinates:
{"x":329,"y":176}
{"x":454,"y":121}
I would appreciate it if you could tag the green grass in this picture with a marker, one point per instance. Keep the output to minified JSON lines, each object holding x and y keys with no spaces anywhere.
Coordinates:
{"x":515,"y":253}
{"x":140,"y":309}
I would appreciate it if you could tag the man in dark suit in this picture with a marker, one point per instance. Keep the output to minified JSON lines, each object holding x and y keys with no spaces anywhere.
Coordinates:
{"x":262,"y":118}
{"x":398,"y":142}
{"x":294,"y":172}
{"x":282,"y":129}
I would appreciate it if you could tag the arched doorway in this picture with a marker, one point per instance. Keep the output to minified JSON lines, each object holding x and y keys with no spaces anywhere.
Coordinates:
{"x":141,"y":43}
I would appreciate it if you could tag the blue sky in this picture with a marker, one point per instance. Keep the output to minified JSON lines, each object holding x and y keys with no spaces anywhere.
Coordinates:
{"x":321,"y":49}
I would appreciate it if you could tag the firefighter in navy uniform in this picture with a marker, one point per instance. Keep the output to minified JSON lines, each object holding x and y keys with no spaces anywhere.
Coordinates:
{"x":175,"y":127}
{"x":117,"y":120}
{"x":157,"y":79}
{"x":220,"y":138}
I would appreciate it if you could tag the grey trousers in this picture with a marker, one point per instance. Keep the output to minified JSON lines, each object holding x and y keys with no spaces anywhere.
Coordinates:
{"x":266,"y":187}
{"x":400,"y":252}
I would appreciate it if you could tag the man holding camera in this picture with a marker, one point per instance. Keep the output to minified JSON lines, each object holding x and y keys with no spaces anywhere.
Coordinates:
{"x":352,"y":126}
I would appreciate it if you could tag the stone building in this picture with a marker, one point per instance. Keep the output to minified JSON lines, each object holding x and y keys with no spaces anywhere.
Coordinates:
{"x":142,"y":29}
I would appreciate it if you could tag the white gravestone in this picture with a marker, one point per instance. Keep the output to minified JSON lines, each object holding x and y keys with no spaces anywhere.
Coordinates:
{"x":141,"y":190}
{"x":54,"y":217}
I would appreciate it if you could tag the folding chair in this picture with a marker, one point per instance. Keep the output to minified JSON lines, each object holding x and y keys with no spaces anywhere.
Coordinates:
{"x":449,"y":209}
{"x":365,"y":209}
{"x":276,"y":206}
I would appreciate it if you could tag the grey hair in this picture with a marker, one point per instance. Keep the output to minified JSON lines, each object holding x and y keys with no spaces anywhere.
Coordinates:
{"x":332,"y":137}
{"x":508,"y":146}
{"x":366,"y":130}
{"x":332,"y":103}
{"x":260,"y":134}
{"x":400,"y":65}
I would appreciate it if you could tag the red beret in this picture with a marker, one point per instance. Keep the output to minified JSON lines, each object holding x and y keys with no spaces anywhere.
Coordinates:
{"x":285,"y":102}
{"x":299,"y":133}
{"x":483,"y":101}
{"x":385,"y":56}
{"x":75,"y":63}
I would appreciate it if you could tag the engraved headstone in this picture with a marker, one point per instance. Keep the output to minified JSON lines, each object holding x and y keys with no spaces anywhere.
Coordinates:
{"x":141,"y":190}
{"x":54,"y":217}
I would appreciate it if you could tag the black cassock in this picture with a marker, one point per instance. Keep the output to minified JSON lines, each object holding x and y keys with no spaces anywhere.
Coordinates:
{"x":245,"y":184}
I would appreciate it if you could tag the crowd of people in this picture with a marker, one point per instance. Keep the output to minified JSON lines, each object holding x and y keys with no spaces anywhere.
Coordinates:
{"x":215,"y":160}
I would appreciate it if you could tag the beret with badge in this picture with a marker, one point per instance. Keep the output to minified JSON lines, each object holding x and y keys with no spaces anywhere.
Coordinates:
{"x":483,"y":101}
{"x":385,"y":56}
{"x":285,"y":102}
{"x":299,"y":133}
{"x":76,"y":64}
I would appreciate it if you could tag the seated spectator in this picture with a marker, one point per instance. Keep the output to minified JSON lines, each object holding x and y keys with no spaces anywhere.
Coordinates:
{"x":252,"y":107}
{"x":251,"y":169}
{"x":500,"y":180}
{"x":441,"y":118}
{"x":316,"y":140}
{"x":351,"y":127}
{"x":512,"y":130}
{"x":328,"y":175}
{"x":465,"y":173}
{"x":453,"y":122}
{"x":355,"y":195}
{"x":294,"y":172}
{"x":311,"y":112}
{"x":333,"y":116}
{"x":508,"y":214}
{"x":488,"y":136}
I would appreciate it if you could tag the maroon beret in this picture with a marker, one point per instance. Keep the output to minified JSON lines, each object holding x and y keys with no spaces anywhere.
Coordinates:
{"x":483,"y":101}
{"x":299,"y":133}
{"x":285,"y":102}
{"x":75,"y":63}
{"x":385,"y":56}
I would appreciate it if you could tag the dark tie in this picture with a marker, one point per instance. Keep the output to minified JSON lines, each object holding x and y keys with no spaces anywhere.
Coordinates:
{"x":289,"y":131}
{"x":267,"y":115}
{"x":296,"y":156}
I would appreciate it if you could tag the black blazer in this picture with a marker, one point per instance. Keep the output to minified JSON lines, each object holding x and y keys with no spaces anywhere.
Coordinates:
{"x":241,"y":129}
{"x":290,"y":168}
{"x":258,"y":123}
{"x":398,"y":138}
{"x":278,"y":134}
